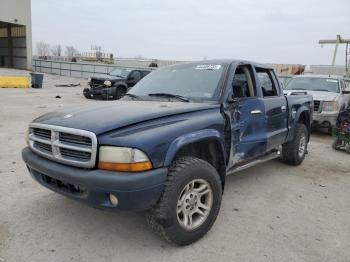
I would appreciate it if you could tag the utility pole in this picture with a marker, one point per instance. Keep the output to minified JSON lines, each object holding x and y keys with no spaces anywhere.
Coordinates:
{"x":338,"y":41}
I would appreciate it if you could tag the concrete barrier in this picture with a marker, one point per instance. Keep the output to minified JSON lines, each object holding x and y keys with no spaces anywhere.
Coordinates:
{"x":14,"y":82}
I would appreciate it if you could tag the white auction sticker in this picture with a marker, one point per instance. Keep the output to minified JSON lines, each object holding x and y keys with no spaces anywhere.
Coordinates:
{"x":208,"y":67}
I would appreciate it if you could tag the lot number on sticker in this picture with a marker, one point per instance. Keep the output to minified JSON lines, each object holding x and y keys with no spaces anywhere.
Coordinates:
{"x":208,"y":67}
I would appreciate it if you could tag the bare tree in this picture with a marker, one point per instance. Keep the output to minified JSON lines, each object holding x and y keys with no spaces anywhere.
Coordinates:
{"x":42,"y":48}
{"x":56,"y":50}
{"x":71,"y":51}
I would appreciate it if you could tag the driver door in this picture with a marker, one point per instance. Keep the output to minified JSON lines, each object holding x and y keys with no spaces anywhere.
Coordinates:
{"x":248,"y":123}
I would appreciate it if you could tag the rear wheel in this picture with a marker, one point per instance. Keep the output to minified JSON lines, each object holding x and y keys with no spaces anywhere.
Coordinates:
{"x":293,"y":152}
{"x":189,"y":203}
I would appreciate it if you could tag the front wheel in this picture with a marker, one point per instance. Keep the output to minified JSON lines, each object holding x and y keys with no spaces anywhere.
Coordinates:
{"x":189,"y":203}
{"x":293,"y":152}
{"x":119,"y":92}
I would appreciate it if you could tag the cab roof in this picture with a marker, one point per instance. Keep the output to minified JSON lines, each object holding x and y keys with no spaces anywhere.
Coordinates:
{"x":229,"y":61}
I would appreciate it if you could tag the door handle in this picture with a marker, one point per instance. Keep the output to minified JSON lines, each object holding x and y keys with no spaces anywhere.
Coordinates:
{"x":283,"y":108}
{"x":256,"y":112}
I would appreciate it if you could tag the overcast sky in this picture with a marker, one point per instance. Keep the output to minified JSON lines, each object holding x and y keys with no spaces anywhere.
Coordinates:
{"x":276,"y":31}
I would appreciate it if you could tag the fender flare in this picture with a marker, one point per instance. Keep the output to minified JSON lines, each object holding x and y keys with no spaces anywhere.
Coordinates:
{"x":301,"y":110}
{"x":296,"y":118}
{"x":189,"y":138}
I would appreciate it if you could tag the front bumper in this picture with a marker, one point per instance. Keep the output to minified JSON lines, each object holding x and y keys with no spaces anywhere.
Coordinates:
{"x":325,"y":119}
{"x":135,"y":191}
{"x":103,"y":90}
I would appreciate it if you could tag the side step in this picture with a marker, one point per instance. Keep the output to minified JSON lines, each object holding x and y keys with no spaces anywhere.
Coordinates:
{"x":257,"y":161}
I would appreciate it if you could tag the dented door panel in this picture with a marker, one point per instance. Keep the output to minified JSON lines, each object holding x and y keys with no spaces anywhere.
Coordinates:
{"x":248,"y":130}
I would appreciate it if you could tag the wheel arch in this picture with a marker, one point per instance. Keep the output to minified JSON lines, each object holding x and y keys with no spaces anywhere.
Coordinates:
{"x":205,"y":144}
{"x":305,"y":118}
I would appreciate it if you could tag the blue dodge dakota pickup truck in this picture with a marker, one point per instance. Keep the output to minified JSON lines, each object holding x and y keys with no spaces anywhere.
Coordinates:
{"x":167,"y":146}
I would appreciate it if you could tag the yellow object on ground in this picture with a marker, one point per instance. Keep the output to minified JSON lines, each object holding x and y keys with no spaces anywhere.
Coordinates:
{"x":14,"y":82}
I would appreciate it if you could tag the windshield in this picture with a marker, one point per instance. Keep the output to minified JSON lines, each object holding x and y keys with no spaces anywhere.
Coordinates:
{"x":313,"y":84}
{"x":193,"y":81}
{"x":121,"y":72}
{"x":285,"y":79}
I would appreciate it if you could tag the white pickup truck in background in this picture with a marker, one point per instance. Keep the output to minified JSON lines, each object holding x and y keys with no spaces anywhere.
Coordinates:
{"x":330,"y":94}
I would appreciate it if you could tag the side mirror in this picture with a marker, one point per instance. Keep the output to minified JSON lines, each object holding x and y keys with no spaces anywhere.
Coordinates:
{"x":346,"y":91}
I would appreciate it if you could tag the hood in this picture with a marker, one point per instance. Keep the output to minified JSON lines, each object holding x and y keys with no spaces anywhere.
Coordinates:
{"x":316,"y":95}
{"x":106,"y":77}
{"x":107,"y":116}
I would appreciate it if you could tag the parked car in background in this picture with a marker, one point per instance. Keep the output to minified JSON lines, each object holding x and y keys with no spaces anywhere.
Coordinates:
{"x":115,"y":84}
{"x":330,"y":96}
{"x":347,"y":82}
{"x":167,"y":146}
{"x":284,"y":79}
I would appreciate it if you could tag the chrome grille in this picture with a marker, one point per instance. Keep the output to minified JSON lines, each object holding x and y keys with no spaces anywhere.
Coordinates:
{"x":74,"y":154}
{"x":317,"y":105}
{"x":66,"y":145}
{"x":75,"y":139}
{"x":42,"y":146}
{"x":96,"y":83}
{"x":42,"y":133}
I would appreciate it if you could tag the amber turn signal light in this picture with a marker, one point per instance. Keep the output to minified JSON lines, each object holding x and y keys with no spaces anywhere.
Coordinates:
{"x":126,"y":167}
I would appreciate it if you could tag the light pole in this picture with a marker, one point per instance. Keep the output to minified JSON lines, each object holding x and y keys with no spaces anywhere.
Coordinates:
{"x":338,"y":41}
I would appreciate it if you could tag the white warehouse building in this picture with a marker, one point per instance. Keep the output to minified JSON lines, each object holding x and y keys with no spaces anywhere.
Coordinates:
{"x":15,"y":34}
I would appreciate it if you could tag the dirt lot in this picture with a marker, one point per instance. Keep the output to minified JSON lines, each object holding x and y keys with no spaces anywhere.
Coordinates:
{"x":270,"y":212}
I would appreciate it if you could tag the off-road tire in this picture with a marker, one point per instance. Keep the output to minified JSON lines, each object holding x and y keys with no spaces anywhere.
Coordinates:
{"x":163,"y":217}
{"x":290,"y":150}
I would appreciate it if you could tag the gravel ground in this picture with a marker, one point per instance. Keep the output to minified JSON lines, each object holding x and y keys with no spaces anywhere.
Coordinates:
{"x":271,"y":212}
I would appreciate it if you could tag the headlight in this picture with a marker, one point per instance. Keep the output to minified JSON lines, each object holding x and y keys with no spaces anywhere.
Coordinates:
{"x":89,"y":79}
{"x":330,"y":106}
{"x":107,"y":83}
{"x":123,"y":159}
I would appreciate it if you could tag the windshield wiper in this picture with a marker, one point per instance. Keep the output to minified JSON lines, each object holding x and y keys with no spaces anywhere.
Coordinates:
{"x":182,"y":98}
{"x":325,"y":90}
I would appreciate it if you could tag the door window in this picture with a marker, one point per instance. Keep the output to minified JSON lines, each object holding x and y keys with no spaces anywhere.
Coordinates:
{"x":242,"y":84}
{"x":267,"y":84}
